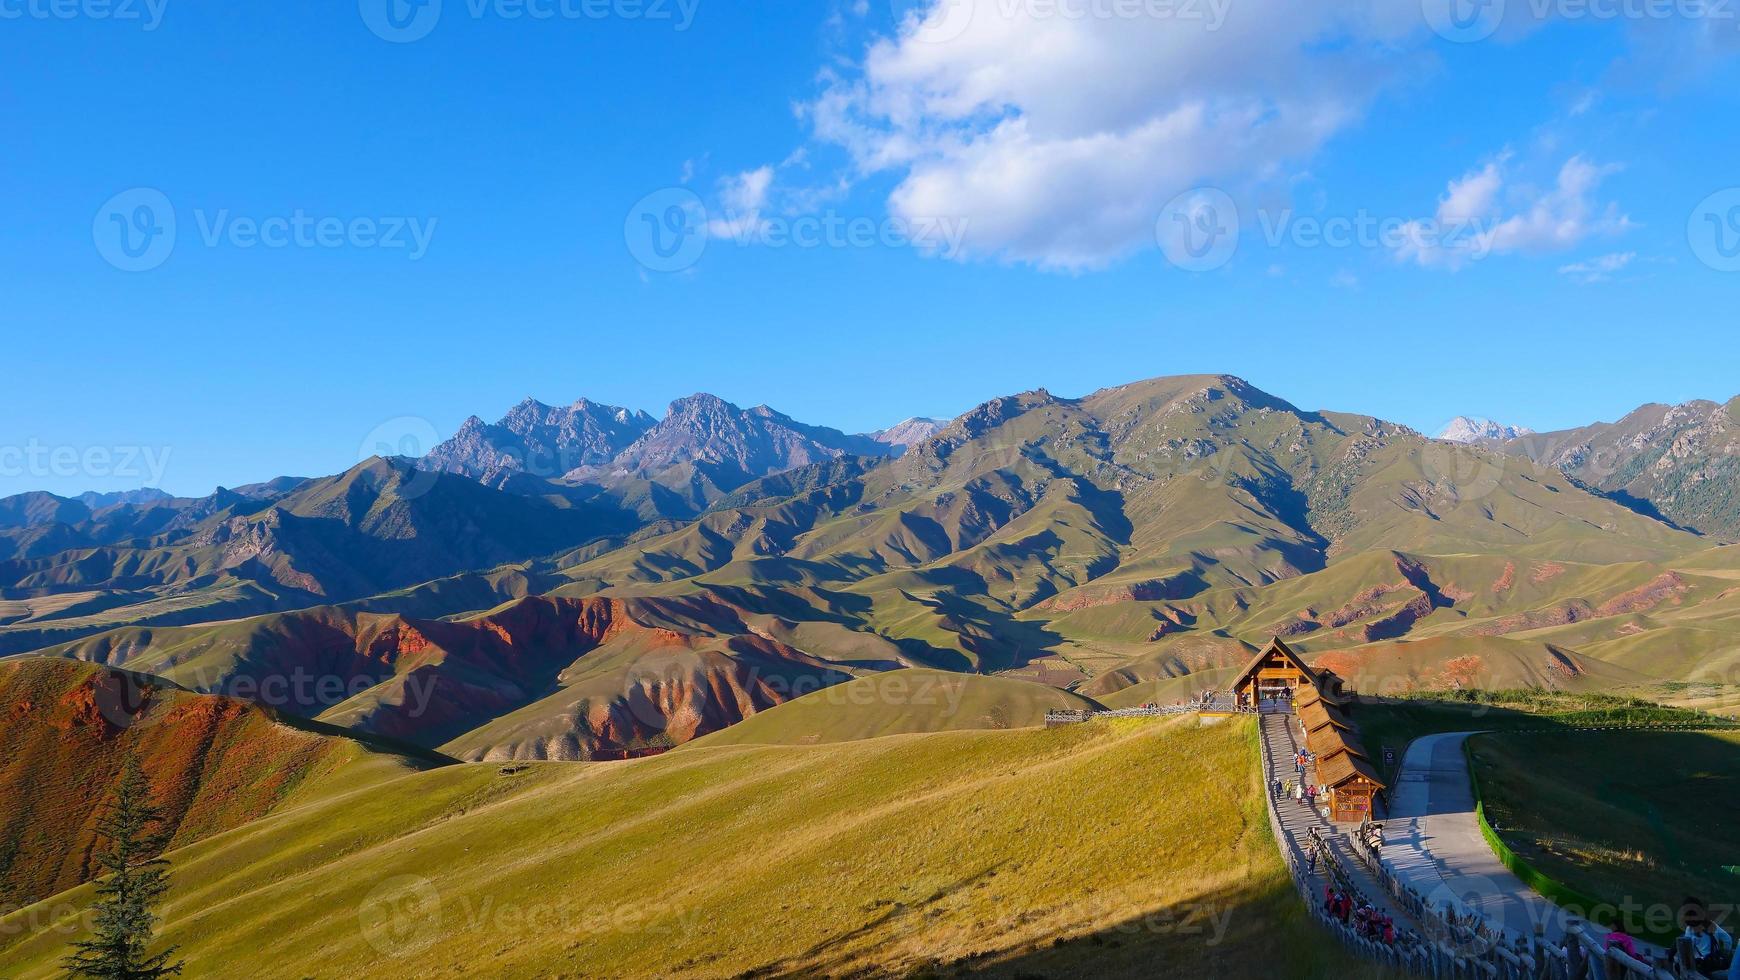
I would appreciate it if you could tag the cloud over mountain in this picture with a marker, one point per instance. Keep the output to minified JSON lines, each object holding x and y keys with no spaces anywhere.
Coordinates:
{"x":1060,"y":137}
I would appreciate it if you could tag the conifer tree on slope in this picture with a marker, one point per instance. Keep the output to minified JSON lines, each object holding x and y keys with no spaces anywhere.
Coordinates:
{"x":128,"y":896}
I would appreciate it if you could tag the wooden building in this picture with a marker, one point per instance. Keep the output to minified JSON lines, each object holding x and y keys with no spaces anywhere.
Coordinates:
{"x":1353,"y":782}
{"x":1276,"y":670}
{"x":1324,"y":707}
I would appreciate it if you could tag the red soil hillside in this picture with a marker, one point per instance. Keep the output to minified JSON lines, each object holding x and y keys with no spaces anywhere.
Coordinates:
{"x":65,"y":728}
{"x":554,"y":678}
{"x":618,"y":674}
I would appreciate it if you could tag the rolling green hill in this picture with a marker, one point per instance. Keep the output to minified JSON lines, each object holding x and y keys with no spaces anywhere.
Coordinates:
{"x":892,"y":856}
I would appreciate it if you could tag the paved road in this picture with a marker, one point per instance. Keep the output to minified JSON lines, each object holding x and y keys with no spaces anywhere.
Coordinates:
{"x":1432,"y":839}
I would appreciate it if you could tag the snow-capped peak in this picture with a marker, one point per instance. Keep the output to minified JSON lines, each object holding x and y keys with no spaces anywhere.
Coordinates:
{"x":1469,"y":428}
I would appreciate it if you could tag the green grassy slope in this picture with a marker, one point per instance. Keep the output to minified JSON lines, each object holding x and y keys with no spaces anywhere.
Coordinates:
{"x":1620,"y":817}
{"x":891,"y":856}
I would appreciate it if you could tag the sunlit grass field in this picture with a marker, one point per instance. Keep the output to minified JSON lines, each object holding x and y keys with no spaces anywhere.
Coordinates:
{"x":1110,"y":849}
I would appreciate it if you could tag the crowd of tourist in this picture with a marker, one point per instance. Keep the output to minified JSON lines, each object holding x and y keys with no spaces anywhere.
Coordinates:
{"x":1360,"y":915}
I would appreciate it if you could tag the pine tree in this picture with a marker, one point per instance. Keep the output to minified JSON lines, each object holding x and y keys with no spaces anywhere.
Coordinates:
{"x":128,"y":896}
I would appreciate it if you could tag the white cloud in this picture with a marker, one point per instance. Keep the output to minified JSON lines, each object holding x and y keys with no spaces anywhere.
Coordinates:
{"x":1058,"y":139}
{"x":742,"y":198}
{"x":1485,"y":212}
{"x":1598,"y":269}
{"x":1055,"y":130}
{"x":1472,"y":197}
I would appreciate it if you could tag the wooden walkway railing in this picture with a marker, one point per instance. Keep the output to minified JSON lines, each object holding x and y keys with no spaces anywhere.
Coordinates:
{"x":1445,"y":945}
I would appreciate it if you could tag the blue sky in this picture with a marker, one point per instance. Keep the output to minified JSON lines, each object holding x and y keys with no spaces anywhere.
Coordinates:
{"x":477,"y":187}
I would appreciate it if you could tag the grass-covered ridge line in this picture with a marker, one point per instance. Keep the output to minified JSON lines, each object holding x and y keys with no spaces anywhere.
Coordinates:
{"x":901,"y":702}
{"x":1111,"y":849}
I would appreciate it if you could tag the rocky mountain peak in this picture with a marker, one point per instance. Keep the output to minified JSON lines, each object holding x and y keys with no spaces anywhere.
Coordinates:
{"x":1472,"y":429}
{"x":908,"y":433}
{"x":539,"y":440}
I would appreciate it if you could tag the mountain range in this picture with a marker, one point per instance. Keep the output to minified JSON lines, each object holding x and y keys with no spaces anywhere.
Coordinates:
{"x":587,"y":582}
{"x":1680,"y":462}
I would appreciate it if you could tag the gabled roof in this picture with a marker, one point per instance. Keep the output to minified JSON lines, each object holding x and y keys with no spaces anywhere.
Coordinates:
{"x":1275,"y":646}
{"x":1344,"y":768}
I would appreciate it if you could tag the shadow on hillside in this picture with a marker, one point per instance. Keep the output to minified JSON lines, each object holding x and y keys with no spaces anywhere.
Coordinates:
{"x":1249,"y":932}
